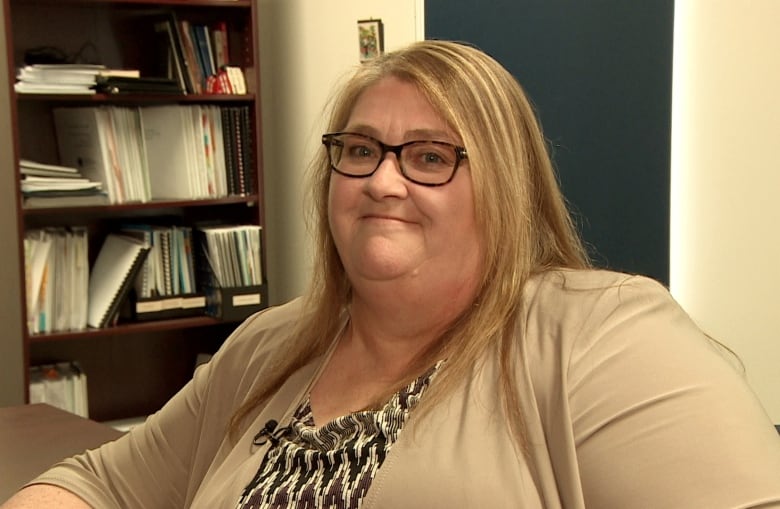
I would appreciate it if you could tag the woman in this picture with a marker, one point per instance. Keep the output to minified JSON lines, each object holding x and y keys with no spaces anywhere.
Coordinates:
{"x":455,"y":350}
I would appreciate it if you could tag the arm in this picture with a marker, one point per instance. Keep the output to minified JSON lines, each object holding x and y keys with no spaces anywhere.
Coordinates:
{"x":45,"y":495}
{"x":661,"y":417}
{"x":154,"y":464}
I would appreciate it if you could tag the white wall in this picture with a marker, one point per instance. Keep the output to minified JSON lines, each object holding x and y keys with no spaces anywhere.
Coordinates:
{"x":725,"y":231}
{"x":305,"y":48}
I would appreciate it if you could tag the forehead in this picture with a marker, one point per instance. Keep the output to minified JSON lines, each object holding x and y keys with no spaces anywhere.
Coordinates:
{"x":393,"y":103}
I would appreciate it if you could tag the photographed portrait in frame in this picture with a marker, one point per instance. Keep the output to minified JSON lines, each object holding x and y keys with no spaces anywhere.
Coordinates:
{"x":370,"y":38}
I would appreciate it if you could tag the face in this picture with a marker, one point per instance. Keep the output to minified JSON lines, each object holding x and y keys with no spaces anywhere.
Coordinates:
{"x":387,"y":228}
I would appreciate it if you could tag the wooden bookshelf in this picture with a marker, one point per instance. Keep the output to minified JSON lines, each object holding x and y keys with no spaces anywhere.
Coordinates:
{"x":132,"y":368}
{"x":135,"y":98}
{"x":126,"y":329}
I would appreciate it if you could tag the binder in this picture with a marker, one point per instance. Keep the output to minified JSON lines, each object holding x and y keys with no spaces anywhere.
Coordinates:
{"x":113,"y":274}
{"x":144,"y":284}
{"x":168,"y":137}
{"x":82,"y":140}
{"x":246,"y":150}
{"x":148,"y":85}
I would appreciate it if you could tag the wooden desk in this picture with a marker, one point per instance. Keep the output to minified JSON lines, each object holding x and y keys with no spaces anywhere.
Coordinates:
{"x":33,"y":437}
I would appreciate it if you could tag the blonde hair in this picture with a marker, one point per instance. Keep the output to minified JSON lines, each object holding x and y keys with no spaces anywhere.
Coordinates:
{"x":519,"y":209}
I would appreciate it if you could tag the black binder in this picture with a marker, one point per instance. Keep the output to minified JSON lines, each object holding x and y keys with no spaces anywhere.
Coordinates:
{"x":125,"y":85}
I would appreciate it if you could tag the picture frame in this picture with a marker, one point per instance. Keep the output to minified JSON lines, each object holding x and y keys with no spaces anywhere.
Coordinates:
{"x":371,"y":37}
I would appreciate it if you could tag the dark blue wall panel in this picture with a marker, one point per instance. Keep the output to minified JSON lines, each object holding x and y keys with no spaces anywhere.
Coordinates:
{"x":600,"y":75}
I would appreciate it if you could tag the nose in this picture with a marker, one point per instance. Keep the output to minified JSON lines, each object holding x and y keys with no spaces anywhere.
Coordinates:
{"x":387,"y":179}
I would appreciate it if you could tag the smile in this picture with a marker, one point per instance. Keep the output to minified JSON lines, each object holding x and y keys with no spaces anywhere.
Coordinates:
{"x":382,"y":219}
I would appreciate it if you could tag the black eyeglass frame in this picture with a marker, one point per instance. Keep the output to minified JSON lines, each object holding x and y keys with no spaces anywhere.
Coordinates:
{"x":329,"y":139}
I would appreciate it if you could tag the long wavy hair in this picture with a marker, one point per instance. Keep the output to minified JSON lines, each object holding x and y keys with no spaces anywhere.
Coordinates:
{"x":520,"y":212}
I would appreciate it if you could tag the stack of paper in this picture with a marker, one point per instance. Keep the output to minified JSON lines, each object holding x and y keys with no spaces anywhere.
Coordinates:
{"x":53,"y":185}
{"x":169,"y":268}
{"x":185,"y":151}
{"x":36,"y":169}
{"x":56,"y":278}
{"x":168,"y":152}
{"x":62,"y":385}
{"x":63,"y":78}
{"x":106,"y":146}
{"x":32,"y":185}
{"x":233,"y":254}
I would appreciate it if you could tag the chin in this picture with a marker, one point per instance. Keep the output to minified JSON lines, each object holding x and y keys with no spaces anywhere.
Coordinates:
{"x":383,"y":268}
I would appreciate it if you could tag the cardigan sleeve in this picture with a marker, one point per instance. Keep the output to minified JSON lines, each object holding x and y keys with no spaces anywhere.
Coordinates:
{"x":661,"y":414}
{"x":152,"y":464}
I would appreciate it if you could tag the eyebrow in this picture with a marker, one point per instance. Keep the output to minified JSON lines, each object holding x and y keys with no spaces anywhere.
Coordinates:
{"x":414,"y":134}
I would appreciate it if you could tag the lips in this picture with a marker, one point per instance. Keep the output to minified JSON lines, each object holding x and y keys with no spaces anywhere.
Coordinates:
{"x":383,"y":217}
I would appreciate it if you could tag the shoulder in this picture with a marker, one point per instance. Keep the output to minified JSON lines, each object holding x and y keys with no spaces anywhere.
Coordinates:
{"x":255,"y":343}
{"x":590,"y":285}
{"x":627,"y":383}
{"x":265,"y":329}
{"x":581,"y":318}
{"x":578,"y":298}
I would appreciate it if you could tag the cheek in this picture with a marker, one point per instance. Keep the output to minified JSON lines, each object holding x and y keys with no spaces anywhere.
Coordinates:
{"x":339,"y":202}
{"x":332,"y":209}
{"x":460,"y":217}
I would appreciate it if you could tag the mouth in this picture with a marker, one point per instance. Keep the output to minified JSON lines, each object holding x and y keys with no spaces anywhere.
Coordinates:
{"x":383,"y":218}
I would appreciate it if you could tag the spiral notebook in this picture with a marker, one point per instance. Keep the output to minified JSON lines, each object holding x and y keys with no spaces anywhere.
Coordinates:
{"x":118,"y":263}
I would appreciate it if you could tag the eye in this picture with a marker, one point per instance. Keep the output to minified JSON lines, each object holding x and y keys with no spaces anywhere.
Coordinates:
{"x":359,"y":148}
{"x":426,"y":156}
{"x":360,"y":151}
{"x":432,"y":158}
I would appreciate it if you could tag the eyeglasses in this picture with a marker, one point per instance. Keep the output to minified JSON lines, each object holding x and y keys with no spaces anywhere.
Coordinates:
{"x":428,"y":163}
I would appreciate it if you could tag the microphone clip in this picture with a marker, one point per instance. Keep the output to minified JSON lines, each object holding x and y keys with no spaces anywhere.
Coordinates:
{"x":270,"y":432}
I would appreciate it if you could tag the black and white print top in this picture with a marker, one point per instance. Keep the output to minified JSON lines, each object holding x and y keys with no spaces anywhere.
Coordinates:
{"x":330,"y":467}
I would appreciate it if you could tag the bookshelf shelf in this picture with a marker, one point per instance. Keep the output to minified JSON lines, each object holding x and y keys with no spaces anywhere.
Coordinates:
{"x":172,"y":3}
{"x":127,"y":329}
{"x":136,"y":98}
{"x":132,"y":368}
{"x":129,"y":208}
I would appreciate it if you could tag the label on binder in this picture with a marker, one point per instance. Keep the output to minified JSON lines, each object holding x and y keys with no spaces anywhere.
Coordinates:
{"x":247,"y":299}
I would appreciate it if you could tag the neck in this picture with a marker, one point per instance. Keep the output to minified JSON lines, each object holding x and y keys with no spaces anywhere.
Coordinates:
{"x":394,"y":322}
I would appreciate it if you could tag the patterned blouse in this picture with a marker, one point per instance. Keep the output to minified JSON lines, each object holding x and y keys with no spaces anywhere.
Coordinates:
{"x":308,"y":467}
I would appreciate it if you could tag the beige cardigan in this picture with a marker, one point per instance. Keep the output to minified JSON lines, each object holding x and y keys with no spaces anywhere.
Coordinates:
{"x":626,"y":404}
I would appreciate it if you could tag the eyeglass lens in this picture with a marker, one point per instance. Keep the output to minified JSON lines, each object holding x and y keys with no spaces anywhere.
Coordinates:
{"x":426,"y":162}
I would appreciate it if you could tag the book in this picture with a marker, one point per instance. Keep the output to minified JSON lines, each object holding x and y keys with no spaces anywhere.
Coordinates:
{"x":203,"y":41}
{"x":165,"y":251}
{"x":202,"y":51}
{"x":229,"y":150}
{"x":247,"y":154}
{"x":28,"y":167}
{"x":112,"y":276}
{"x":145,"y":279}
{"x":236,"y":79}
{"x":219,"y":43}
{"x":56,"y":279}
{"x":238,"y":150}
{"x":168,"y":25}
{"x":191,"y":55}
